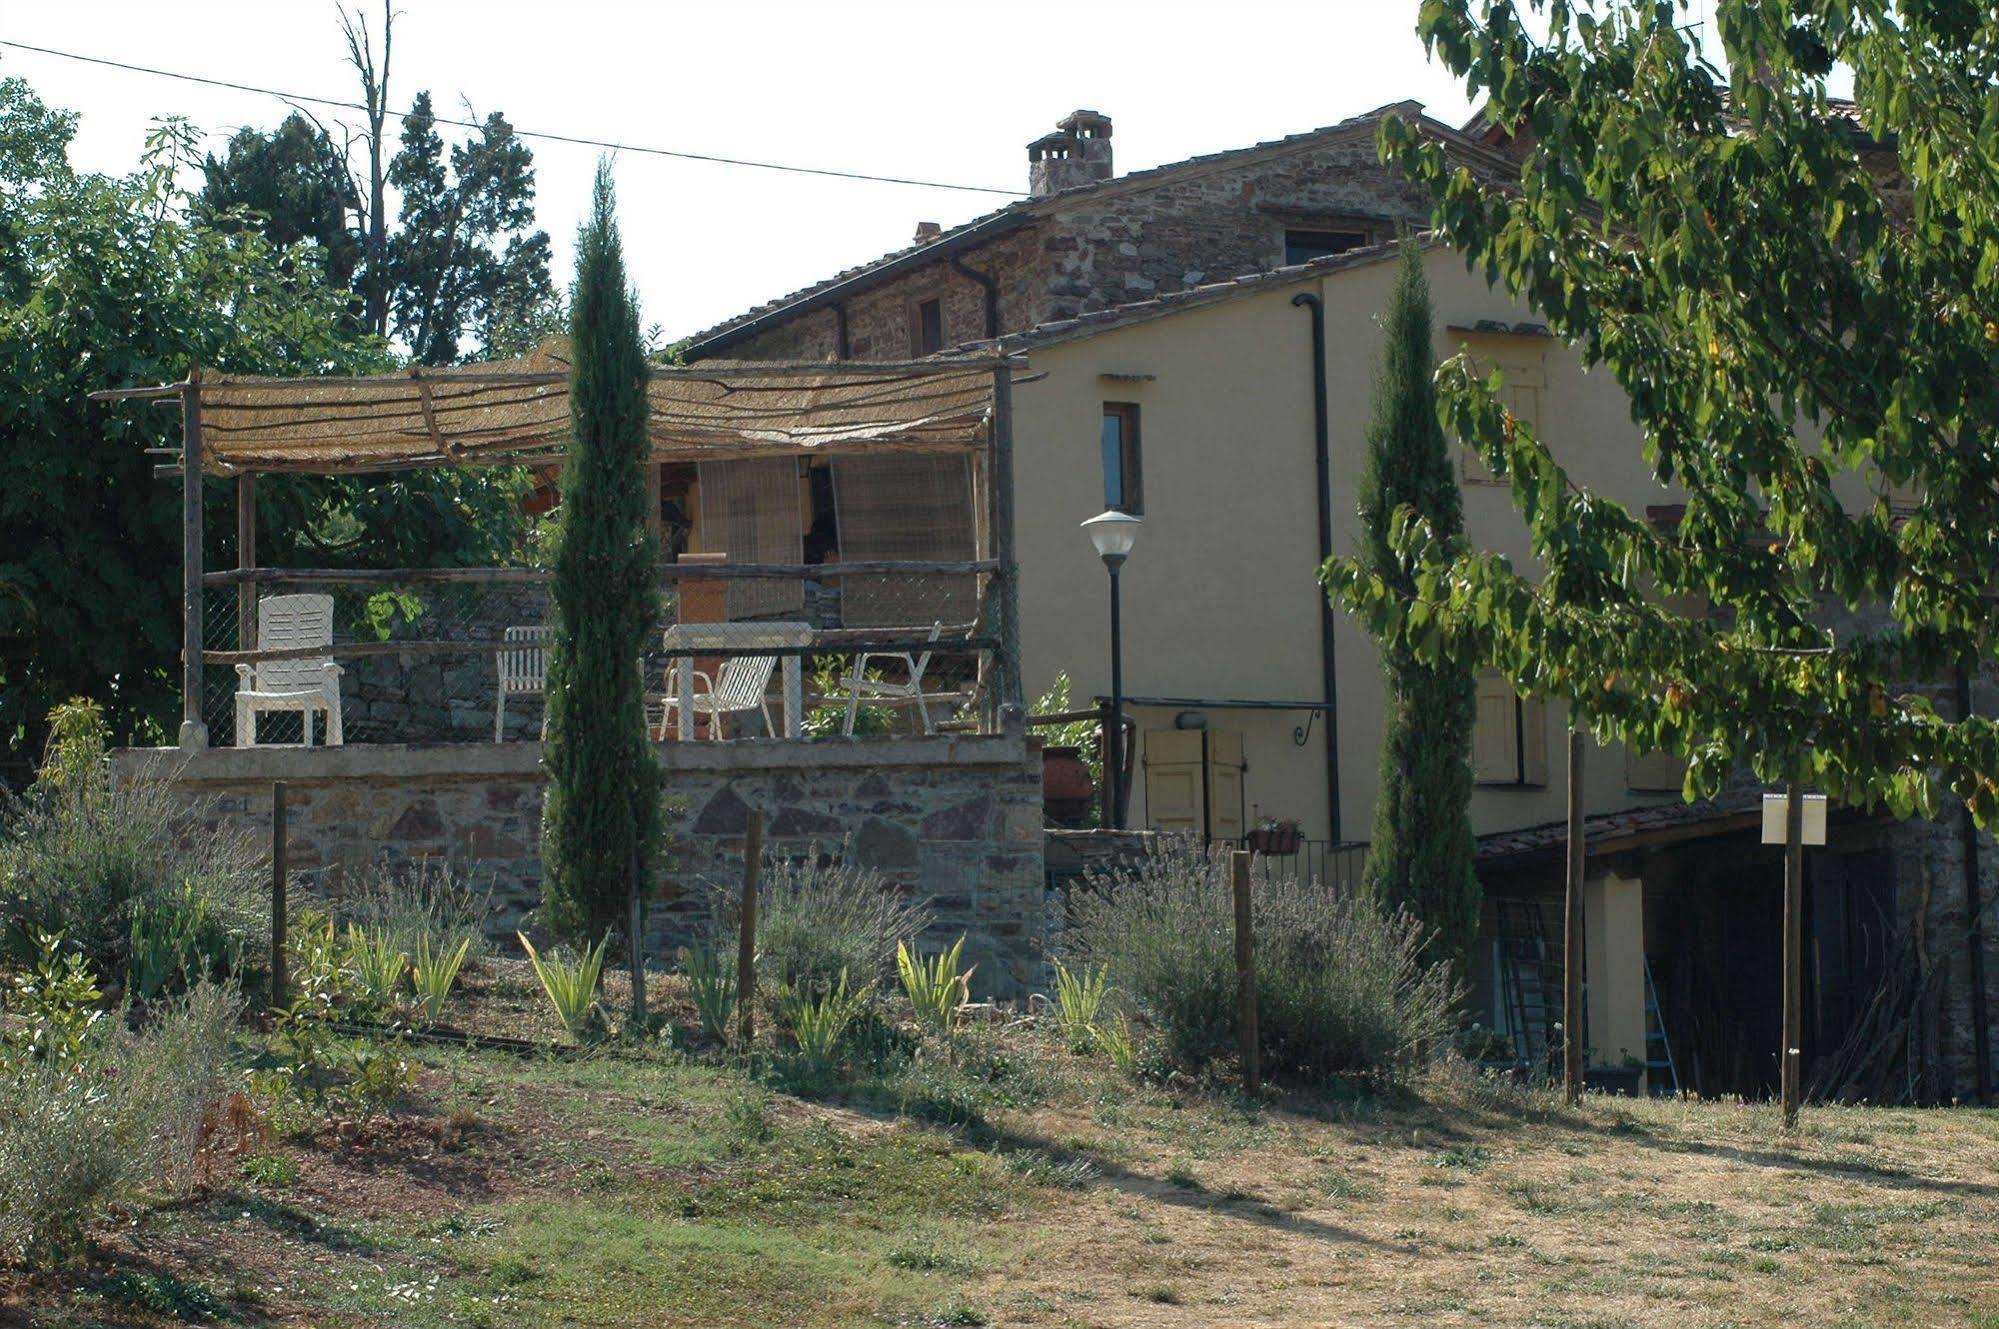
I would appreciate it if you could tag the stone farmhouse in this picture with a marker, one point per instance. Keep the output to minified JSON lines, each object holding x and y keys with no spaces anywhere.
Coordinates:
{"x":1200,"y":341}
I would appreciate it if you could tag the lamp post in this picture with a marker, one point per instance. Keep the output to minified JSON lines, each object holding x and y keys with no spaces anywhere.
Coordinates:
{"x":1112,"y":533}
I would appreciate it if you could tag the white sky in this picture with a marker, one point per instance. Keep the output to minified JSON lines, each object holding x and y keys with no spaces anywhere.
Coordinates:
{"x":937,"y":91}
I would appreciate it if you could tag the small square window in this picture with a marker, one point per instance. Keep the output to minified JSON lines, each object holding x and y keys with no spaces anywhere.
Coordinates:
{"x":926,"y":327}
{"x":1123,"y":490}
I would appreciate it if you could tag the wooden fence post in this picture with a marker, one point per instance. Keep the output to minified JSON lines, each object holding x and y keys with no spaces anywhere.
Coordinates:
{"x":1572,"y":929}
{"x":279,"y":925}
{"x":1791,"y":1062}
{"x":1245,"y":975}
{"x":746,"y":945}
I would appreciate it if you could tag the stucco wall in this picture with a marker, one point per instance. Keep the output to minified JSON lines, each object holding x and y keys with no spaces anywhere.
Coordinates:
{"x":955,"y":820}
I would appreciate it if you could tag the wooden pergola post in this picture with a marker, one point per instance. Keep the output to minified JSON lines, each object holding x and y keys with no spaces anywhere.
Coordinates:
{"x":193,"y":732}
{"x":1008,"y":626}
{"x":246,"y":559}
{"x":1572,"y":928}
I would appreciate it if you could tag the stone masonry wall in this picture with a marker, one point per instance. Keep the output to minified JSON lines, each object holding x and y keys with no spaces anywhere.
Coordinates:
{"x":955,"y":820}
{"x":1116,"y":245}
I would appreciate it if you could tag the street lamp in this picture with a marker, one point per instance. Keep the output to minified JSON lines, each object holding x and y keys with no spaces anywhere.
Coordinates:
{"x":1113,"y":533}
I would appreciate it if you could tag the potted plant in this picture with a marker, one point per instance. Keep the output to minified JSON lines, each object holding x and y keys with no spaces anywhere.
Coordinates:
{"x":1272,"y":836}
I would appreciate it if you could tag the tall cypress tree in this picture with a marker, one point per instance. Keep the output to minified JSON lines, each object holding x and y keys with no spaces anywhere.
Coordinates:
{"x":601,"y":822}
{"x":1421,"y":853}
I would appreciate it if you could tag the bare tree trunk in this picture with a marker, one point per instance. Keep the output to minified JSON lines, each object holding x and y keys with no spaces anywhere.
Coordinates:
{"x":374,"y":219}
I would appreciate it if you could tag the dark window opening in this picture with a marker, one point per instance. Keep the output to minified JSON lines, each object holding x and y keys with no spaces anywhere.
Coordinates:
{"x":1123,"y":491}
{"x":1304,"y":246}
{"x":926,"y":327}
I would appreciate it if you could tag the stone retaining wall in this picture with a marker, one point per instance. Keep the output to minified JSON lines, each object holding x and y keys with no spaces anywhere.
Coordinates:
{"x":956,"y":820}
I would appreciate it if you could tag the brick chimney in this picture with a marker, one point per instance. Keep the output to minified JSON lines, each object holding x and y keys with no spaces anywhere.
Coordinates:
{"x":1077,"y":153}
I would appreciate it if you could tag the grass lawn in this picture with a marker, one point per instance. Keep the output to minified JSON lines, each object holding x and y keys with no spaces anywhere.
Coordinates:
{"x":1000,"y":1180}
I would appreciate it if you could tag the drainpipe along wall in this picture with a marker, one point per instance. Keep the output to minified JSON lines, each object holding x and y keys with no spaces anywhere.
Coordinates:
{"x":1322,"y":457}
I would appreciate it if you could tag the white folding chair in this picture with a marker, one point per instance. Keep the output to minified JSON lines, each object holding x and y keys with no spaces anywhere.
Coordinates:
{"x":862,"y":688}
{"x":523,"y":672}
{"x":306,"y":685}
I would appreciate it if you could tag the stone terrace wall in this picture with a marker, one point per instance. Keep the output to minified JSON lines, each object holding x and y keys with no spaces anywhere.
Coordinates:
{"x":956,"y":820}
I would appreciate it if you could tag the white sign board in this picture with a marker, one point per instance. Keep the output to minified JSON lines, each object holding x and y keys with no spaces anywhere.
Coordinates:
{"x":1773,"y":818}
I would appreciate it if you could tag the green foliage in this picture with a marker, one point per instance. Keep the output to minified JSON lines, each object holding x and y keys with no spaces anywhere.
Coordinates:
{"x":292,"y":184}
{"x":110,"y":281}
{"x":829,"y":679}
{"x":571,"y":984}
{"x":91,"y":1114}
{"x":166,"y":1294}
{"x":104,"y":863}
{"x":176,"y":940}
{"x":465,"y":254}
{"x":1420,"y":854}
{"x":601,"y":818}
{"x":820,"y":1018}
{"x":75,"y":751}
{"x":312,"y":1073}
{"x":1079,"y":1005}
{"x":378,"y":966}
{"x":429,"y":900}
{"x":1342,"y":985}
{"x":817,"y":916}
{"x":936,"y":986}
{"x":1801,"y":301}
{"x":1082,"y":735}
{"x":434,"y":972}
{"x":274,"y":1170}
{"x":711,"y":982}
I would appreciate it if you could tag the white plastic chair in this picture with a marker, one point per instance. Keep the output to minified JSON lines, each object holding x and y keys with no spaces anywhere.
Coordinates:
{"x":860,"y":687}
{"x":523,"y":672}
{"x":288,"y":622}
{"x":741,"y":684}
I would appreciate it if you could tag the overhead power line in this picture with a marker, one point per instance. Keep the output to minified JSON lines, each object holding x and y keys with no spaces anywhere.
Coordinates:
{"x":574,"y":139}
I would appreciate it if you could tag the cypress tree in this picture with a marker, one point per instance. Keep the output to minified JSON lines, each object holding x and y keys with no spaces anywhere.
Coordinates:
{"x":1421,"y":853}
{"x":601,"y":821}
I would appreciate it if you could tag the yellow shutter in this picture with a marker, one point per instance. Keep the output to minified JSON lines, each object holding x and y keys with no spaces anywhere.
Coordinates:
{"x":1654,"y":772}
{"x":1533,"y":741}
{"x":1225,"y":777}
{"x":1495,"y":745}
{"x":1173,"y":780}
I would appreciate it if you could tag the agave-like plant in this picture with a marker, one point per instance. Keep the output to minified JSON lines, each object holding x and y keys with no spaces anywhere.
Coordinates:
{"x":937,"y":988}
{"x":1079,"y":1004}
{"x":378,"y":965}
{"x":820,"y":1023}
{"x":571,"y":984}
{"x":434,"y":972}
{"x":713,"y":987}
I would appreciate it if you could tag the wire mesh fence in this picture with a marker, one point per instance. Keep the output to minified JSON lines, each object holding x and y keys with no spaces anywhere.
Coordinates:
{"x":459,"y":656}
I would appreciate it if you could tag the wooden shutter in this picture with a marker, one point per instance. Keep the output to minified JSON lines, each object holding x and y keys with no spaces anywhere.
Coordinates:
{"x":914,"y":508}
{"x":1533,"y":740}
{"x":1495,"y":744}
{"x":1173,"y":780}
{"x":750,"y":511}
{"x":1225,"y":780}
{"x":1526,"y":382}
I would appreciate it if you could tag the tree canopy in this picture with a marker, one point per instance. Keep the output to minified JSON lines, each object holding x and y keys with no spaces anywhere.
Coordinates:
{"x":1800,"y":297}
{"x":112,"y":281}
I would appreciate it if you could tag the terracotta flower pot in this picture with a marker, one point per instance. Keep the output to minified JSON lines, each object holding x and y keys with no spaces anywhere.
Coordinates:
{"x":1066,"y":787}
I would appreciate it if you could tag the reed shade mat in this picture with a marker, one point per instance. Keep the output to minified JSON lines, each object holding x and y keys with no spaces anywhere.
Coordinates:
{"x":512,"y":412}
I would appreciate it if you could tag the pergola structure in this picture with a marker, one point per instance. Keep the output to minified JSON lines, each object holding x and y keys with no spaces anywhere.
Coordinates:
{"x":516,"y":413}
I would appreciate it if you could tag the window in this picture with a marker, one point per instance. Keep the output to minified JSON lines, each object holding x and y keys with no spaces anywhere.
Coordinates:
{"x":1509,"y":735}
{"x":1123,"y":491}
{"x":1303,"y":246}
{"x":1525,"y":380}
{"x":926,"y":327}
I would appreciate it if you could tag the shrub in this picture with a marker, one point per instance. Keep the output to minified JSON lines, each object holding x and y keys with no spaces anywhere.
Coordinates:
{"x":819,"y":1019}
{"x":711,"y":982}
{"x":937,"y":987}
{"x":92,"y":1114}
{"x":378,"y":965}
{"x":177,"y":940}
{"x":571,"y":983}
{"x":87,"y":858}
{"x":313,"y":1073}
{"x":1342,"y":986}
{"x":1079,"y":1004}
{"x":818,"y":917}
{"x":434,"y":972}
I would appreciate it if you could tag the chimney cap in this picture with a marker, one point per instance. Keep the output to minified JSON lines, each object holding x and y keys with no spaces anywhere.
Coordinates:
{"x":1085,"y":124}
{"x":927,"y":230}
